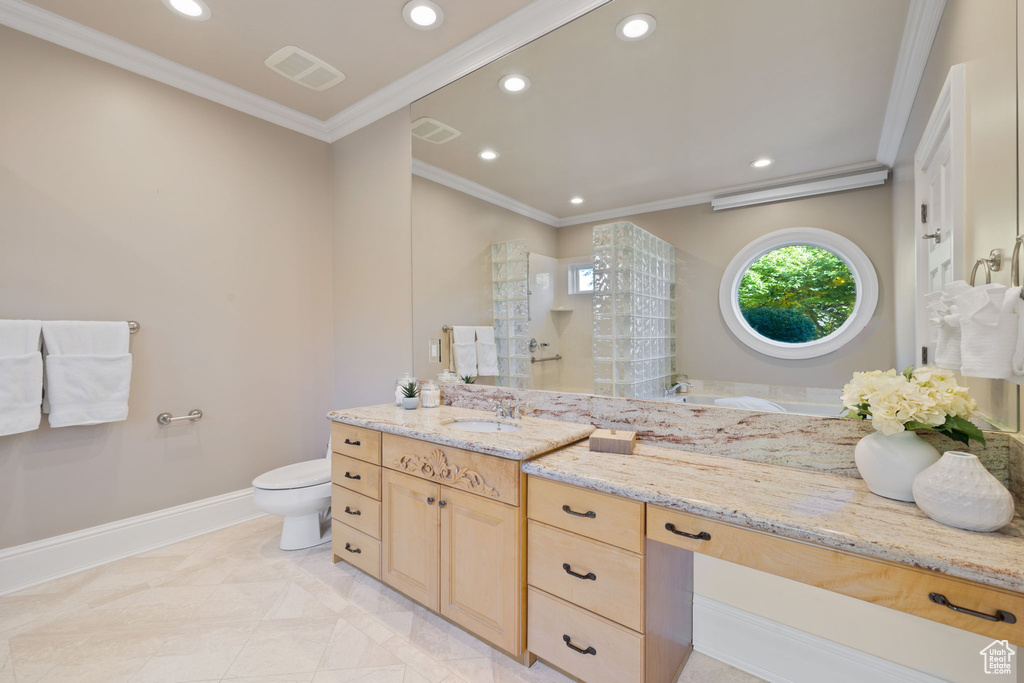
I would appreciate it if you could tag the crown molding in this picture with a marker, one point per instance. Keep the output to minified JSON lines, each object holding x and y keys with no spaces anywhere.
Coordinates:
{"x":922,"y":25}
{"x":457,"y":182}
{"x":829,"y":180}
{"x":514,"y":31}
{"x":54,"y":28}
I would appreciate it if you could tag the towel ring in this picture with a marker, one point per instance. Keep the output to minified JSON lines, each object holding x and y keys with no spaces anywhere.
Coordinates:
{"x":993,"y":264}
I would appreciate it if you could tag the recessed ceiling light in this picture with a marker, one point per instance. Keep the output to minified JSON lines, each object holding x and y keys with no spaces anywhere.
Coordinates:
{"x":195,"y":10}
{"x":488,"y":155}
{"x":423,"y":15}
{"x":636,"y":27}
{"x":514,"y":83}
{"x":576,"y":200}
{"x":762,"y":162}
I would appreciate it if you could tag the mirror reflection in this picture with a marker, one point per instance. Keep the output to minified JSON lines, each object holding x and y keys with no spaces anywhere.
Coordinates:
{"x":586,"y":195}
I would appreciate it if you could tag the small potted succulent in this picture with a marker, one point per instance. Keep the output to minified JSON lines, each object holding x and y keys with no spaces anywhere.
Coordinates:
{"x":468,"y":379}
{"x":410,"y":395}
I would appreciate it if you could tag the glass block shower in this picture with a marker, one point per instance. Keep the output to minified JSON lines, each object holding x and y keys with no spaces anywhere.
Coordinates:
{"x":634,"y":312}
{"x":509,"y":274}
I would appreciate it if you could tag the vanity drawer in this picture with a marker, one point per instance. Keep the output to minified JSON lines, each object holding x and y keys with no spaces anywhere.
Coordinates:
{"x":612,"y":653}
{"x":356,"y":548}
{"x":360,"y":443}
{"x":610,"y":519}
{"x":356,"y":475}
{"x":485,"y":475}
{"x":616,"y":588}
{"x":900,"y":587}
{"x":356,"y":510}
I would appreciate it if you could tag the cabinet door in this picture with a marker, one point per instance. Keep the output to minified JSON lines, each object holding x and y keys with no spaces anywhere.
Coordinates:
{"x":409,"y":538}
{"x":481,"y":572}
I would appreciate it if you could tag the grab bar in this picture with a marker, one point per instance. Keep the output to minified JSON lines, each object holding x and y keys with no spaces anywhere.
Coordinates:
{"x":557,"y":356}
{"x":167,"y":418}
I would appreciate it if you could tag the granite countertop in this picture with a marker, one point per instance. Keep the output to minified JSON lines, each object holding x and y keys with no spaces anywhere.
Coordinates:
{"x":827,"y":509}
{"x":535,"y":437}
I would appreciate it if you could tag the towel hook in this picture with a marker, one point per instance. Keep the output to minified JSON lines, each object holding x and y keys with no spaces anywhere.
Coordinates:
{"x":993,"y":264}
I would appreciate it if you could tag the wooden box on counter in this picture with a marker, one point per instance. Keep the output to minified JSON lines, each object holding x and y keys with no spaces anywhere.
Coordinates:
{"x":612,"y":441}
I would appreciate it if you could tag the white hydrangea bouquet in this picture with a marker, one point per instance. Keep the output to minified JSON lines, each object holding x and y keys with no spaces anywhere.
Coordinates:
{"x":923,"y":398}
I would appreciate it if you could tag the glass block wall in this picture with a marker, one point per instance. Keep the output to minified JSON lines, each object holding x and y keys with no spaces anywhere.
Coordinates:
{"x":634,"y":312}
{"x":511,"y":324}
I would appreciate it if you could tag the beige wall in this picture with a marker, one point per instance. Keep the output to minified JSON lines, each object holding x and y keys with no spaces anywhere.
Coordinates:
{"x":122,"y":198}
{"x":706,"y":241}
{"x":981,"y":35}
{"x":452,"y":234}
{"x":372,"y":261}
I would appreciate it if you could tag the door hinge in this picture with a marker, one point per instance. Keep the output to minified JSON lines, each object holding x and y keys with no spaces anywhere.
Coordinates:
{"x":924,"y":355}
{"x":924,"y":213}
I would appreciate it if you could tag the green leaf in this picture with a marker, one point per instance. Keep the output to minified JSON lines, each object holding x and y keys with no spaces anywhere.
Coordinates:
{"x":909,"y":373}
{"x":968,"y":428}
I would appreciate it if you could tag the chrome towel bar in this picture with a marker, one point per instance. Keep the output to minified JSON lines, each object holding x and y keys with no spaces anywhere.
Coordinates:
{"x":557,"y":356}
{"x":133,"y":327}
{"x":167,"y":418}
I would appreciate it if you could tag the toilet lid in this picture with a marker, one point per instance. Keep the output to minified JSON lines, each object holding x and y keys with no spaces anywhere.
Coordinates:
{"x":299,"y":475}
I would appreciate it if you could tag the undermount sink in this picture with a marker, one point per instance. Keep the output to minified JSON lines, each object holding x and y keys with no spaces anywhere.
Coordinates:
{"x":487,"y":426}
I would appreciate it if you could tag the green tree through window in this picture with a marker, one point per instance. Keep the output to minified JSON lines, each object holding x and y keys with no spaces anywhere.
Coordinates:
{"x":807,"y":280}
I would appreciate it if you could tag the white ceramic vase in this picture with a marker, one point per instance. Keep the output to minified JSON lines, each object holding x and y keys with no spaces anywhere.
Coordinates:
{"x":959,"y":491}
{"x":411,"y":403}
{"x":888,"y":464}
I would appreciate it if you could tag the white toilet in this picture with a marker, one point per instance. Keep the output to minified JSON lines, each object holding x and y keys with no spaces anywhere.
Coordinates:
{"x":301,"y":493}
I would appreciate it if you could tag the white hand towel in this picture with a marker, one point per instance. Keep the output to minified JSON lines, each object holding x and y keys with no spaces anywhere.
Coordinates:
{"x":486,"y":352}
{"x":988,"y":324}
{"x":88,"y":372}
{"x":750,"y":403}
{"x":944,"y":315}
{"x":21,"y":376}
{"x":464,"y":350}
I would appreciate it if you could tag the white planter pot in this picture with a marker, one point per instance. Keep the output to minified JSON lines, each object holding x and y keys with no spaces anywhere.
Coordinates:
{"x":411,"y":403}
{"x":889,"y":464}
{"x":960,"y":492}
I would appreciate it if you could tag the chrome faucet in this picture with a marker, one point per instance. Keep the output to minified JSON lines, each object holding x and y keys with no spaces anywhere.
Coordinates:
{"x":507,"y":410}
{"x":683,"y":384}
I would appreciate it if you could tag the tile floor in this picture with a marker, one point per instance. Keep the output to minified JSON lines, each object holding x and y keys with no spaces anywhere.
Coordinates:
{"x":231,"y":606}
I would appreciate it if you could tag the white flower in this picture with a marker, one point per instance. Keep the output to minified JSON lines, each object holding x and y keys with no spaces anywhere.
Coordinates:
{"x":928,"y":397}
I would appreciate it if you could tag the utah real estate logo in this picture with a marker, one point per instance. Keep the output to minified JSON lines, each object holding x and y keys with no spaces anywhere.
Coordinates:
{"x":998,"y":658}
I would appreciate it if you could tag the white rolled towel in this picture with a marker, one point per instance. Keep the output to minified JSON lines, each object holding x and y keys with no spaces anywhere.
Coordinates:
{"x":88,"y":372}
{"x":21,"y":376}
{"x":464,"y":350}
{"x":989,"y":329}
{"x":1018,"y":354}
{"x":486,"y":352}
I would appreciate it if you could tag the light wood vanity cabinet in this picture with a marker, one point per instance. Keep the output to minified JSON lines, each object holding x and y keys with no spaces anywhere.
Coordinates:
{"x":591,"y":612}
{"x":450,"y":524}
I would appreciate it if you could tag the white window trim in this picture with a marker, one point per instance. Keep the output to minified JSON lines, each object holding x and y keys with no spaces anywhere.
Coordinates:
{"x":852,"y":255}
{"x":574,"y":269}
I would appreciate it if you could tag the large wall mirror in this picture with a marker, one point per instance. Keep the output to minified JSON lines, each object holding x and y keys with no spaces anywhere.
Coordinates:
{"x":605,"y":199}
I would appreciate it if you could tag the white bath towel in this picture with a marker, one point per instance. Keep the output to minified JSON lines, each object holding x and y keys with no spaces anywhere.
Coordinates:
{"x":88,"y":372}
{"x":944,"y":316}
{"x":750,"y":403}
{"x":464,"y":350}
{"x":988,"y":324}
{"x":486,"y":352}
{"x":21,"y":376}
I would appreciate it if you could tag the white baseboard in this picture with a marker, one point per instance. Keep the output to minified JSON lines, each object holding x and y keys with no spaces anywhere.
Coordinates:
{"x":782,"y":654}
{"x":51,"y":558}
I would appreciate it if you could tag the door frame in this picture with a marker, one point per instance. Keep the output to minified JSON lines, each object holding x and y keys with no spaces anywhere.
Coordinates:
{"x":949,"y":114}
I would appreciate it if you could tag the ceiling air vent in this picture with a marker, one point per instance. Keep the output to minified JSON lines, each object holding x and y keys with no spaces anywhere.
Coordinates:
{"x":303,"y":68}
{"x":433,"y":131}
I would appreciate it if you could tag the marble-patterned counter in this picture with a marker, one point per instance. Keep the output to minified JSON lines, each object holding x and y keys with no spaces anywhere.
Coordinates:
{"x":535,"y":436}
{"x":826,"y":509}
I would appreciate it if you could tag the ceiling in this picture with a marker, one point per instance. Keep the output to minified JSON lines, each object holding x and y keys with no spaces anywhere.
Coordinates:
{"x":368,"y":40}
{"x":684,"y":111}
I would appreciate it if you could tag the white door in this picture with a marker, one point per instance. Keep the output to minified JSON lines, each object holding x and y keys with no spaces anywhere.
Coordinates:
{"x":939,"y":198}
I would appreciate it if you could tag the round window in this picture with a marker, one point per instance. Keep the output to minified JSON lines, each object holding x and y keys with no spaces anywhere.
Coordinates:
{"x":798,"y":293}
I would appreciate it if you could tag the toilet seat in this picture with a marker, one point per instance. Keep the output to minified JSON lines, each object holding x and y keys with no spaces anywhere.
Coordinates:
{"x":296,"y":476}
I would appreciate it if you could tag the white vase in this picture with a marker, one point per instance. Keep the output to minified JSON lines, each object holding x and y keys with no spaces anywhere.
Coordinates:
{"x":410,"y":403}
{"x":960,"y":492}
{"x":888,"y":464}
